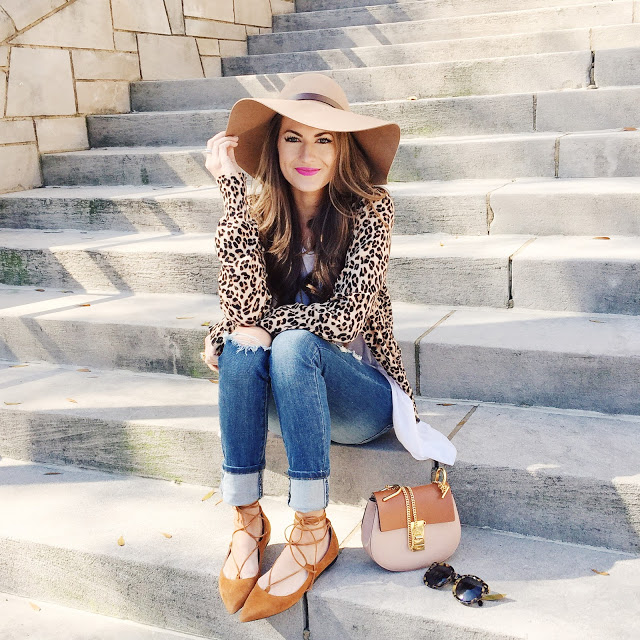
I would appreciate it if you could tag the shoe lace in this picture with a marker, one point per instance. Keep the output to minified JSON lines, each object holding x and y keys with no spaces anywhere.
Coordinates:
{"x":244,"y":527}
{"x":301,"y":524}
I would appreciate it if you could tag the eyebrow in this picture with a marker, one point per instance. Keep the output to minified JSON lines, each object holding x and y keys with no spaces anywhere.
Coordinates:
{"x":316,"y":136}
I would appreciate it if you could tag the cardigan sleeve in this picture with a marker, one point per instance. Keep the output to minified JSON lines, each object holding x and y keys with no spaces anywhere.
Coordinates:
{"x":242,"y":279}
{"x":342,"y":317}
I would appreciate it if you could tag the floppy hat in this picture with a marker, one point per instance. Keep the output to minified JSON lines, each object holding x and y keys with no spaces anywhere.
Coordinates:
{"x":318,"y":101}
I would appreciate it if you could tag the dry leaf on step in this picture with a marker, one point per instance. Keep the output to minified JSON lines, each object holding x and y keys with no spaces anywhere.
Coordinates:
{"x":205,"y":324}
{"x":494,"y":596}
{"x":412,"y":98}
{"x":209,"y":494}
{"x":83,"y":305}
{"x":83,"y":369}
{"x":34,"y":606}
{"x":602,"y":238}
{"x":598,"y":321}
{"x":12,"y":402}
{"x":121,"y":541}
{"x":52,"y":473}
{"x":14,"y":366}
{"x":39,"y":289}
{"x":600,"y":573}
{"x":183,"y":317}
{"x":446,"y":404}
{"x":72,"y":400}
{"x":166,"y":535}
{"x":629,"y":129}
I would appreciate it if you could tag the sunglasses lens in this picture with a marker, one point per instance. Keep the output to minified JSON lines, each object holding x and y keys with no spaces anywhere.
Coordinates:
{"x":468,"y":589}
{"x":437,"y":576}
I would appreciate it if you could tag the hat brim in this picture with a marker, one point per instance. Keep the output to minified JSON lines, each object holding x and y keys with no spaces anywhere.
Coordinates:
{"x":249,"y":120}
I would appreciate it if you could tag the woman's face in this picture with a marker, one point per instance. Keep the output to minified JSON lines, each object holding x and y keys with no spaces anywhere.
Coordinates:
{"x":302,"y":147}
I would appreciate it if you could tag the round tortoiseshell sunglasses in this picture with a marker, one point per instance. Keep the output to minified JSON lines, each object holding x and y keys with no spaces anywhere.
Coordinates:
{"x":467,"y":589}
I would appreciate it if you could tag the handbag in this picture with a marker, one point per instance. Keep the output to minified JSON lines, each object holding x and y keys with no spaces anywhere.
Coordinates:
{"x":406,"y":528}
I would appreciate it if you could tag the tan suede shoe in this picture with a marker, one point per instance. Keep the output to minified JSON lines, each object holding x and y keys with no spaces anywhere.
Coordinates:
{"x":235,"y":592}
{"x":261,"y":604}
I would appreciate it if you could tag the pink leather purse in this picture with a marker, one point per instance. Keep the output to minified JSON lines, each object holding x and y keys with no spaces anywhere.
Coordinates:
{"x":406,"y":528}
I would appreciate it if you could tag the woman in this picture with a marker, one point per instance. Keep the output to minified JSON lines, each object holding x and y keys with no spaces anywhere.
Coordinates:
{"x":302,"y":287}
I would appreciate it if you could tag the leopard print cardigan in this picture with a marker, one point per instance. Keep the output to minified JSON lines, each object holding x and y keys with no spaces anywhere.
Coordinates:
{"x":360,"y":301}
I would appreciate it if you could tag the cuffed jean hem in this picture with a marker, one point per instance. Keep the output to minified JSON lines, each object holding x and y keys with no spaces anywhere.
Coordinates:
{"x":308,"y":495}
{"x":238,"y":489}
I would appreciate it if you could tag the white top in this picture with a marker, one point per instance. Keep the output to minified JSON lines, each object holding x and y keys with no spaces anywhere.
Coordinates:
{"x":420,"y":439}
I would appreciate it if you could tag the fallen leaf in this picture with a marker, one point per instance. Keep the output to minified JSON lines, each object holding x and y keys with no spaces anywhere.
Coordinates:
{"x":629,"y":129}
{"x":442,"y":244}
{"x":83,"y":369}
{"x":217,"y":503}
{"x":65,"y":291}
{"x":183,"y":317}
{"x":205,"y":324}
{"x":121,"y":541}
{"x":412,"y":98}
{"x":209,"y":494}
{"x":601,"y":238}
{"x":72,"y":400}
{"x":446,"y":404}
{"x":52,"y":473}
{"x":166,"y":535}
{"x":598,"y":321}
{"x":53,"y":231}
{"x":83,"y":305}
{"x":600,"y":573}
{"x":214,"y":381}
{"x":34,"y":606}
{"x":12,"y":402}
{"x":14,"y":366}
{"x":494,"y":596}
{"x":40,"y":289}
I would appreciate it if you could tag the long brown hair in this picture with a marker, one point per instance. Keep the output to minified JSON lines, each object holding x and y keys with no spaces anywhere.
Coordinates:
{"x":331,"y":229}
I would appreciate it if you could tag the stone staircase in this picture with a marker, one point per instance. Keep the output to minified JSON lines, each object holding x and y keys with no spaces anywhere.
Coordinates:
{"x":515,"y":279}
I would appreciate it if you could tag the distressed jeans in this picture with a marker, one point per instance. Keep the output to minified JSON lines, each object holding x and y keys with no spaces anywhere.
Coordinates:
{"x":305,"y":389}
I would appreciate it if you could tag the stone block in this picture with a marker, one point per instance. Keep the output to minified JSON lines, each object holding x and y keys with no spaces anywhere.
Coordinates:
{"x":105,"y":65}
{"x":212,"y":66}
{"x":143,"y":16}
{"x":615,"y":36}
{"x":3,"y":91}
{"x":24,"y":13}
{"x":254,"y":12}
{"x":62,"y":134}
{"x":253,"y":31}
{"x":212,"y":29}
{"x":210,"y":9}
{"x":20,"y":168}
{"x":40,"y":83}
{"x":233,"y":48}
{"x":6,"y":26}
{"x":176,"y":16}
{"x":264,"y":30}
{"x":125,"y":41}
{"x":282,"y":6}
{"x":208,"y":46}
{"x":168,"y":57}
{"x":617,"y":67}
{"x":80,"y":24}
{"x":12,"y":131}
{"x":102,"y":96}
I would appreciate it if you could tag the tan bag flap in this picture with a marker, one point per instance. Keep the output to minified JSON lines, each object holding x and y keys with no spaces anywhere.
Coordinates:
{"x":430,"y":507}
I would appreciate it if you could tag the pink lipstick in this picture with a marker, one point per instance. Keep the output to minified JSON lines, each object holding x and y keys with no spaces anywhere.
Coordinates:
{"x":305,"y":171}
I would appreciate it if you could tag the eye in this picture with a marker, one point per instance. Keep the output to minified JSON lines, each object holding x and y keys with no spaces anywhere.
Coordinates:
{"x":329,"y":140}
{"x":291,"y":139}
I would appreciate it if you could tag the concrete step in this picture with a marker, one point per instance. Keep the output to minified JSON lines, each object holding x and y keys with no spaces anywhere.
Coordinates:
{"x":445,"y":24}
{"x":434,"y":268}
{"x":538,"y":42}
{"x":63,"y":548}
{"x":536,"y":206}
{"x":322,"y":5}
{"x":547,"y":358}
{"x":486,"y":76}
{"x":595,"y":154}
{"x":407,"y":11}
{"x":19,"y":620}
{"x":531,"y":470}
{"x":566,"y":110}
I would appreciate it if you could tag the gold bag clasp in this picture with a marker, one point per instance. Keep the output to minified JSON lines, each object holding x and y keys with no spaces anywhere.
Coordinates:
{"x":417,"y":535}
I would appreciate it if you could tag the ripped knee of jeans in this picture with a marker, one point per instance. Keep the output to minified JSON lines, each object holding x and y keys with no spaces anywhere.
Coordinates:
{"x":357,"y":356}
{"x":244,"y":341}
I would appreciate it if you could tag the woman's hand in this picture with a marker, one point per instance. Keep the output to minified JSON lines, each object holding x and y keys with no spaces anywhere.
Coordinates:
{"x":210,"y":359}
{"x":222,"y":161}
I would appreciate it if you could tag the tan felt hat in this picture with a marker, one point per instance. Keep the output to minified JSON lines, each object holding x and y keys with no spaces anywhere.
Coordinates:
{"x":318,"y":101}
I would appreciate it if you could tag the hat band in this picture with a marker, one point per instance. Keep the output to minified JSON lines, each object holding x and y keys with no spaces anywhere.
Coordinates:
{"x":319,"y":97}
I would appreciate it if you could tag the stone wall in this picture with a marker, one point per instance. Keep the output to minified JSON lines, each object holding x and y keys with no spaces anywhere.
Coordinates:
{"x":63,"y":59}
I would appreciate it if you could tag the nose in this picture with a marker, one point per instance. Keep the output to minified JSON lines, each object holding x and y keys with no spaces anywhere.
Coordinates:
{"x":307,"y":152}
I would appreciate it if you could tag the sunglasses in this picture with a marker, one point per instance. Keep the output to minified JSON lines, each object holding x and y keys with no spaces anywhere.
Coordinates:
{"x":467,"y":589}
